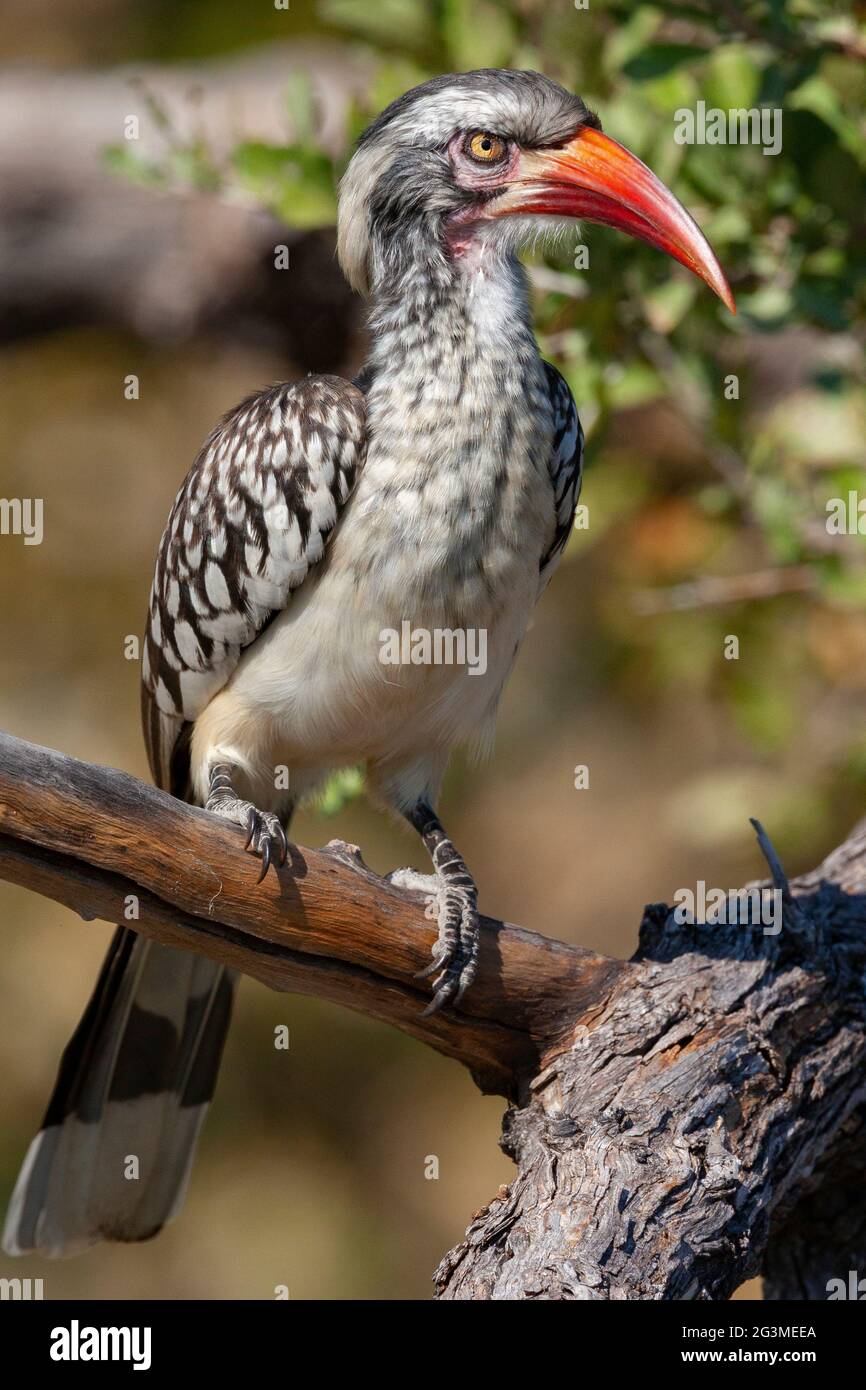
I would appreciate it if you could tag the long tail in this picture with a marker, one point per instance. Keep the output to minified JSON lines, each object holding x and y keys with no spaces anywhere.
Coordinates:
{"x":114,"y":1154}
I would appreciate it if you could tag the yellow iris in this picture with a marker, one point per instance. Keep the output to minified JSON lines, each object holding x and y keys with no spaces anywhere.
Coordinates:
{"x":486,"y":148}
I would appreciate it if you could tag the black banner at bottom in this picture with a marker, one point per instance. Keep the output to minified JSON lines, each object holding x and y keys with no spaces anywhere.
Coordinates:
{"x":148,"y":1338}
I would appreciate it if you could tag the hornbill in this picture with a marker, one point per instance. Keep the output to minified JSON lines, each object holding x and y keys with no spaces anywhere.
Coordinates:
{"x":438,"y":487}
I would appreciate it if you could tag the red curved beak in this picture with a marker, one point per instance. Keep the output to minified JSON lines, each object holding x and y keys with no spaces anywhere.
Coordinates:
{"x":596,"y":178}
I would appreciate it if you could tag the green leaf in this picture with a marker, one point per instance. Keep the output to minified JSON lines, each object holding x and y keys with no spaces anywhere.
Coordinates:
{"x":668,"y":303}
{"x":633,"y":385}
{"x":732,"y":78}
{"x":778,"y":509}
{"x":763,"y":711}
{"x":295,"y":182}
{"x":816,"y":95}
{"x":478,"y":34}
{"x":301,"y":106}
{"x":727,"y":224}
{"x":391,"y":80}
{"x":769,"y":306}
{"x":671,"y":91}
{"x":192,"y":165}
{"x":829,"y":260}
{"x":120,"y":159}
{"x":628,"y":38}
{"x":341,"y":787}
{"x":406,"y":24}
{"x":715,"y":499}
{"x":844,"y":587}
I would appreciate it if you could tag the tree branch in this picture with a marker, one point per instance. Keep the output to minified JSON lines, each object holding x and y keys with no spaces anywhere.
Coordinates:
{"x":91,"y":837}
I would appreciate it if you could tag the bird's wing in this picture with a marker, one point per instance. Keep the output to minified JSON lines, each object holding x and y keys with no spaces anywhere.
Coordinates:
{"x":250,"y":520}
{"x":566,"y":467}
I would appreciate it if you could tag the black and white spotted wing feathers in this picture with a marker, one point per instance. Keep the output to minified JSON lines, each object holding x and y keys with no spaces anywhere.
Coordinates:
{"x":251,"y":519}
{"x":566,"y":467}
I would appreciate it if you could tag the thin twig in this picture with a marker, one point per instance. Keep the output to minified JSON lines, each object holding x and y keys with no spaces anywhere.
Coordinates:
{"x":711,"y":591}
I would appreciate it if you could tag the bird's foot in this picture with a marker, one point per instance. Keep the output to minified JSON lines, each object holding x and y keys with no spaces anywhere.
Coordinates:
{"x":454,"y":904}
{"x":455,"y":955}
{"x":265,"y":834}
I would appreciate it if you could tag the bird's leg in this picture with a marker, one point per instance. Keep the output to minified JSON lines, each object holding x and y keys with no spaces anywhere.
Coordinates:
{"x":265,"y":834}
{"x":455,"y":954}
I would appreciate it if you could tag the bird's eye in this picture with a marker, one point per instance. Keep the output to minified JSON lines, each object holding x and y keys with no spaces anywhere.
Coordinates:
{"x":485,"y":148}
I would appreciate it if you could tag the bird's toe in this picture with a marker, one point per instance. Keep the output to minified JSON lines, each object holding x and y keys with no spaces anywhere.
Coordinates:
{"x":266,"y":838}
{"x":456,"y":950}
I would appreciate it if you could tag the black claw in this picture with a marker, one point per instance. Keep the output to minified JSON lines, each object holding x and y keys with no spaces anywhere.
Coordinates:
{"x":266,"y":857}
{"x":265,"y":835}
{"x":443,"y":995}
{"x":436,"y":964}
{"x":465,"y":982}
{"x":436,"y":1003}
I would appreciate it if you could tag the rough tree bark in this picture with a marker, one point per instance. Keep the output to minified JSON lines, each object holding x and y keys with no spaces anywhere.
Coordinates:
{"x":679,"y":1122}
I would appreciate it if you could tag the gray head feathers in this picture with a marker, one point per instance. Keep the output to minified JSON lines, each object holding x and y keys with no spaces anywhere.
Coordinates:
{"x":399,"y":181}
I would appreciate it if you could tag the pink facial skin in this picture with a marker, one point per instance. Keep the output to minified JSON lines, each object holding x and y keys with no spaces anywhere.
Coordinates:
{"x":475,"y":177}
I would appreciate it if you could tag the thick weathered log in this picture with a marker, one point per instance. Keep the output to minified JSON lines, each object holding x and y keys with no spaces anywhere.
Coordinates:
{"x":660,"y":1146}
{"x":678,"y":1121}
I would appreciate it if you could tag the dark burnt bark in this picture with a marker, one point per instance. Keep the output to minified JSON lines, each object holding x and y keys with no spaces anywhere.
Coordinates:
{"x":685,"y":1136}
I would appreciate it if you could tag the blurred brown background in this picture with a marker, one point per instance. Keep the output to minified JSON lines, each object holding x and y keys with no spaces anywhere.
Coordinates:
{"x":311,"y":1169}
